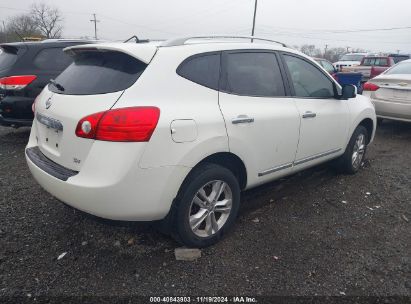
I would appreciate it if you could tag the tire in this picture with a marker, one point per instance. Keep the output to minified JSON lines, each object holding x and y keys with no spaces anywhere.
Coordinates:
{"x":211,"y":215}
{"x":350,"y":162}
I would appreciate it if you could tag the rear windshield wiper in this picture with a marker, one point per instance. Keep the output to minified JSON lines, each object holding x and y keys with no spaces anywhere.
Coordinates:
{"x":57,"y":85}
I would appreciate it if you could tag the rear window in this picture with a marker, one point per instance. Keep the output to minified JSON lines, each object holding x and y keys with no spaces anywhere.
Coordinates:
{"x":202,"y":69}
{"x":7,"y":59}
{"x":400,"y":58}
{"x":52,"y":59}
{"x":98,"y":72}
{"x":401,"y":68}
{"x":375,"y":62}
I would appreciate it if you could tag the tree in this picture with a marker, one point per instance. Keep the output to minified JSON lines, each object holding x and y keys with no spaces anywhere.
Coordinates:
{"x":334,"y":54}
{"x":22,"y":26}
{"x":310,"y":50}
{"x":47,"y":19}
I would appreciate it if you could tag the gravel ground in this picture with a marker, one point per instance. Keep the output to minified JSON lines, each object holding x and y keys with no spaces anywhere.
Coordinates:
{"x":316,"y":233}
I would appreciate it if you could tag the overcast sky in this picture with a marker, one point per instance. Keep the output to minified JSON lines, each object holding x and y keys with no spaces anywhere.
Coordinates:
{"x":294,"y":22}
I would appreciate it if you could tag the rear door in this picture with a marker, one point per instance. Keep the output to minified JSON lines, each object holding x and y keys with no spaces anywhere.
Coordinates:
{"x":324,"y":119}
{"x":92,"y":84}
{"x":261,"y":121}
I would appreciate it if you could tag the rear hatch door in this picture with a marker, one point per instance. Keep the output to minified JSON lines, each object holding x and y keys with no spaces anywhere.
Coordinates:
{"x":93,"y":83}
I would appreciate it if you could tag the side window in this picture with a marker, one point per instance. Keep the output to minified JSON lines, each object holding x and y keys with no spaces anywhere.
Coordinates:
{"x":203,"y":69}
{"x":382,"y":62}
{"x":52,"y":59}
{"x":308,"y":81}
{"x":328,"y":67}
{"x":253,"y":74}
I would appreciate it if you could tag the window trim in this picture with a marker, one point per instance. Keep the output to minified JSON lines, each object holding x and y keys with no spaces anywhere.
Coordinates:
{"x":335,"y":88}
{"x":223,"y":72}
{"x":199,"y":55}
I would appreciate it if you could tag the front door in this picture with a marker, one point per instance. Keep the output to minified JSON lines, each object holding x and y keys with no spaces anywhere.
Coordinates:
{"x":324,"y":118}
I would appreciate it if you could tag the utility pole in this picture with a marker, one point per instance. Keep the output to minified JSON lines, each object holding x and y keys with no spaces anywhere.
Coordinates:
{"x":5,"y":31}
{"x":95,"y":25}
{"x":255,"y":14}
{"x":325,"y":51}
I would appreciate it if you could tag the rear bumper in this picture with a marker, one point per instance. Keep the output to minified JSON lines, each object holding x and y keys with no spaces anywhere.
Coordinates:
{"x":14,"y":122}
{"x":392,"y":110}
{"x":138,"y":195}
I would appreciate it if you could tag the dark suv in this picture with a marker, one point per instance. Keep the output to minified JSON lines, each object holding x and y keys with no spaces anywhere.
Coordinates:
{"x":25,"y":69}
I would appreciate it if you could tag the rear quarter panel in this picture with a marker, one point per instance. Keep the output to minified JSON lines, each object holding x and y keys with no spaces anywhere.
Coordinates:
{"x":178,"y":99}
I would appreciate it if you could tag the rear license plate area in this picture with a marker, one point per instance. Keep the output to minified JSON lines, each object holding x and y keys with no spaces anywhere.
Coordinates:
{"x":51,"y":132}
{"x":400,"y":94}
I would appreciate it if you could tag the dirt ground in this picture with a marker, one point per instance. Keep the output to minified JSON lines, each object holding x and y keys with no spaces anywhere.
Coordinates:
{"x":316,"y":233}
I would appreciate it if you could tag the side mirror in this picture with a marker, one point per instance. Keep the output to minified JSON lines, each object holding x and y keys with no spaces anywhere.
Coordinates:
{"x":348,"y":91}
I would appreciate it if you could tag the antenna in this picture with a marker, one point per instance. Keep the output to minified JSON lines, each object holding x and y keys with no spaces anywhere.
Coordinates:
{"x":95,"y":25}
{"x":255,"y":15}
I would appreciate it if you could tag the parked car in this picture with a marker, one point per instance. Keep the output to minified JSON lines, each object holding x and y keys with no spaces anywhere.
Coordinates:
{"x":175,"y":131}
{"x":25,"y":69}
{"x":349,"y":60}
{"x":372,"y":66}
{"x":399,"y":57}
{"x":391,"y":92}
{"x":328,"y":66}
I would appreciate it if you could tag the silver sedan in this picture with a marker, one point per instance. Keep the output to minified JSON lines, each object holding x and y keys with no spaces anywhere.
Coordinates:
{"x":390,"y":92}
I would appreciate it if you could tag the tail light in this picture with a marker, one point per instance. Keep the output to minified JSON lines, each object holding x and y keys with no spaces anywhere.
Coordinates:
{"x":368,"y":86}
{"x":16,"y":82}
{"x":135,"y":124}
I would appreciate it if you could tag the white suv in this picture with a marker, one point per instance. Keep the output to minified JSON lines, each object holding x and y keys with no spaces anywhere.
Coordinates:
{"x":174,"y":131}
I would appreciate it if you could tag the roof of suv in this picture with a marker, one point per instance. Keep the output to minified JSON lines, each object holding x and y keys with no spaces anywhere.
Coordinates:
{"x":145,"y":51}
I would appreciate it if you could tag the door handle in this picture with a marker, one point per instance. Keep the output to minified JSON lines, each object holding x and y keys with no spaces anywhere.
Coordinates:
{"x":242,"y":119}
{"x":309,"y":114}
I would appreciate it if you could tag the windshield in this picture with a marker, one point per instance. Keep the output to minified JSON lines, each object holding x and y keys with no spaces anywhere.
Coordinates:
{"x":352,"y":57}
{"x":401,"y":68}
{"x":6,"y":59}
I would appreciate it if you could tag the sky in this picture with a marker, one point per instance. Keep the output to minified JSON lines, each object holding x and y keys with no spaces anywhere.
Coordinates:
{"x":348,"y":23}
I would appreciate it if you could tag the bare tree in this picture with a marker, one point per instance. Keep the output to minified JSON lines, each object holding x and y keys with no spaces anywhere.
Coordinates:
{"x":310,"y":50}
{"x":48,"y":20}
{"x":22,"y":26}
{"x":334,"y":54}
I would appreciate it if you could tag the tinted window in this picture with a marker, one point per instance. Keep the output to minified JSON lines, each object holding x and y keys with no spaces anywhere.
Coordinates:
{"x":400,"y":58}
{"x":375,"y":62}
{"x":253,"y":74}
{"x":328,"y":67}
{"x":53,"y":59}
{"x":308,"y":81}
{"x":401,"y":68}
{"x":96,"y":72}
{"x":204,"y":70}
{"x":352,"y":57}
{"x":7,"y":59}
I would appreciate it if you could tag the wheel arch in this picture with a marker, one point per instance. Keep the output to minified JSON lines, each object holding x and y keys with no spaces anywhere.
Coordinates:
{"x":230,"y":161}
{"x":368,"y":124}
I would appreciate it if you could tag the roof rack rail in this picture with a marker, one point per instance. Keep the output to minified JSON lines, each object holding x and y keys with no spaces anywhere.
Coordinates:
{"x":183,"y":40}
